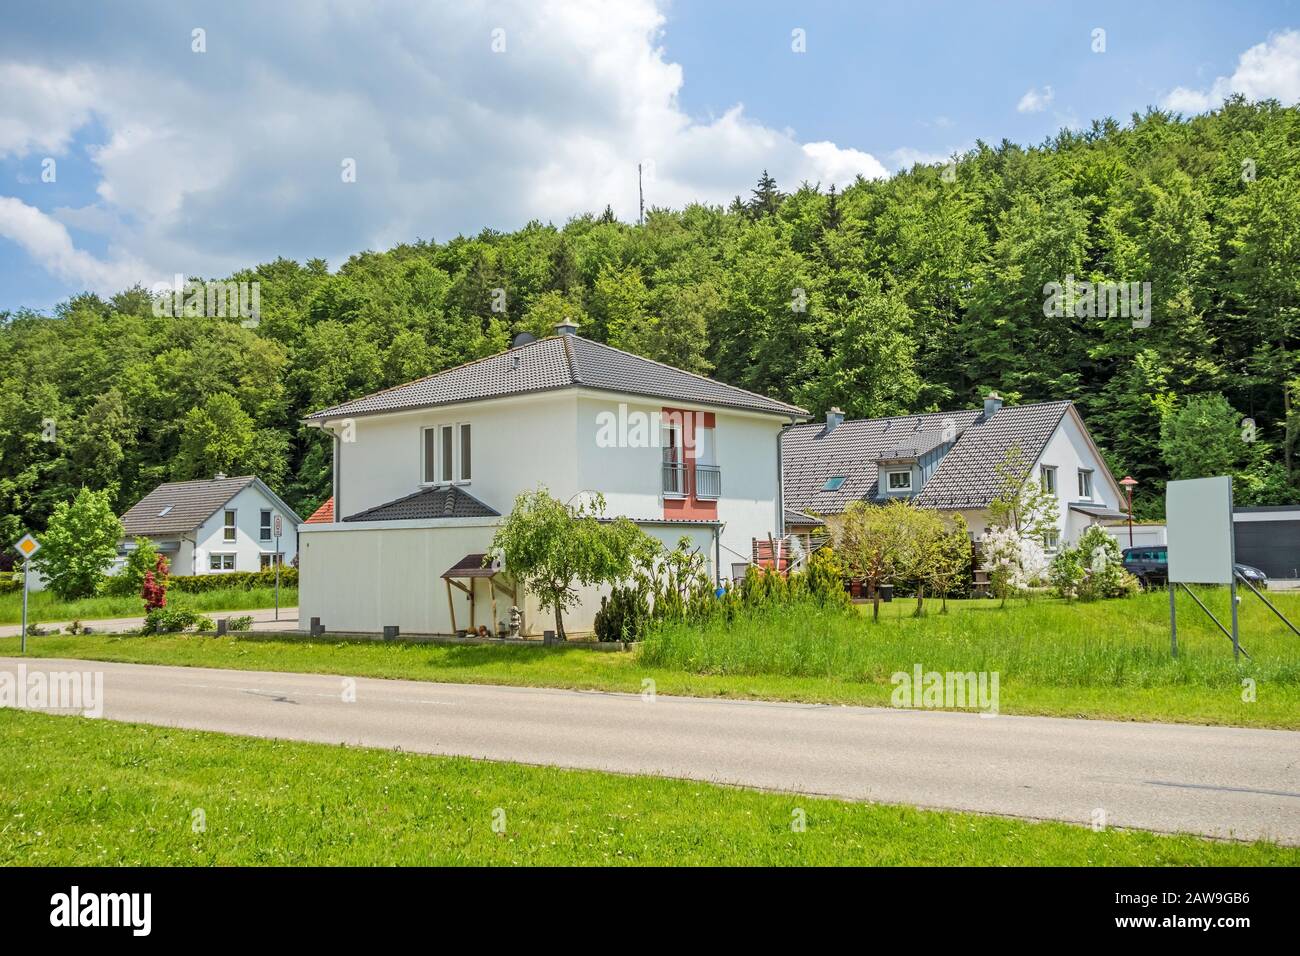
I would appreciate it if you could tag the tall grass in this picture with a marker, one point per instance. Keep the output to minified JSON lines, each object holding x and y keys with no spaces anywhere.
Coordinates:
{"x":1122,"y":642}
{"x":44,"y":606}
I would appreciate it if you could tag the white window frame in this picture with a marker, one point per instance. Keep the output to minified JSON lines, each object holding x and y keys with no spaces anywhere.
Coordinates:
{"x":220,"y":558}
{"x":265,"y":524}
{"x":267,"y":560}
{"x":672,"y":435}
{"x":458,"y":449}
{"x":446,"y":470}
{"x":889,"y":481}
{"x":1047,"y":475}
{"x":1051,"y":540}
{"x":229,"y":526}
{"x":1085,"y":479}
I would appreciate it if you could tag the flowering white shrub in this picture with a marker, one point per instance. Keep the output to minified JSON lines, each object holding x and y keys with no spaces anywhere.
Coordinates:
{"x":1014,"y":563}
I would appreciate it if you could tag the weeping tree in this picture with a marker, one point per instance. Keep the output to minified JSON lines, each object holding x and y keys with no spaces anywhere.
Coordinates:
{"x":552,"y":548}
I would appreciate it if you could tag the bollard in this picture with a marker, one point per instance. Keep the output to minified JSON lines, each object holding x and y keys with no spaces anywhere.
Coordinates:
{"x":317,"y":628}
{"x":222,"y":624}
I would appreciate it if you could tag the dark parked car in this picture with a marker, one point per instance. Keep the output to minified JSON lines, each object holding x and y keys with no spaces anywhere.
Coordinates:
{"x":1150,"y":565}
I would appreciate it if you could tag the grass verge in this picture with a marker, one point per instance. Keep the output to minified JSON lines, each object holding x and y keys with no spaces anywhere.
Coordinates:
{"x":80,"y":792}
{"x":1108,"y":660}
{"x":43,"y":606}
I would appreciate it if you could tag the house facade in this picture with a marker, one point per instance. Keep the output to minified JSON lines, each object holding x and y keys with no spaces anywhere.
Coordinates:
{"x":214,"y":526}
{"x":425,"y":472}
{"x":951,"y":461}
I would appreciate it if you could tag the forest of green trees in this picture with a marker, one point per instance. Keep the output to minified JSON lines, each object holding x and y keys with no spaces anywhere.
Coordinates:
{"x":920,"y":292}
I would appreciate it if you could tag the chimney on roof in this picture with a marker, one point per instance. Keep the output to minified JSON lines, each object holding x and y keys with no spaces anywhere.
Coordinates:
{"x":566,"y":327}
{"x":219,"y":476}
{"x":992,"y":402}
{"x":834,"y":418}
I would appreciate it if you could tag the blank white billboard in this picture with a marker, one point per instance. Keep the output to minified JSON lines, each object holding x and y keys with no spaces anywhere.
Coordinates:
{"x":1198,"y":516}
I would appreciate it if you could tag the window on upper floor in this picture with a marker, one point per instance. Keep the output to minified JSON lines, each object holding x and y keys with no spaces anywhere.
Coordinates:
{"x":228,"y":532}
{"x":833,"y":483}
{"x":1047,"y":477}
{"x":264,"y":528}
{"x":900,"y":481}
{"x":447,"y":454}
{"x":1085,"y":483}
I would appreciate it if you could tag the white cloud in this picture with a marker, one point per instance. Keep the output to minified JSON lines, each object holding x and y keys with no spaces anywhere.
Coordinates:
{"x":48,"y":243}
{"x":1035,"y":100}
{"x":42,"y":108}
{"x":219,"y":160}
{"x":906,"y":158}
{"x":1268,"y":70}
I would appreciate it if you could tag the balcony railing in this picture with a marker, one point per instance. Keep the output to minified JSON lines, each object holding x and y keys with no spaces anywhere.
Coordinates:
{"x":708,"y":481}
{"x":674,"y":479}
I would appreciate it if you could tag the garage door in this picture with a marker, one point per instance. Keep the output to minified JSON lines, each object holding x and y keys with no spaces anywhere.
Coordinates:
{"x":1271,"y":546}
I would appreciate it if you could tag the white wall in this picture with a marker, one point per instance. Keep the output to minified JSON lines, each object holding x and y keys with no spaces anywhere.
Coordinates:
{"x":1069,"y":450}
{"x":516,"y":445}
{"x":361,"y":576}
{"x":248,"y":545}
{"x":1144,"y":535}
{"x":631,"y":477}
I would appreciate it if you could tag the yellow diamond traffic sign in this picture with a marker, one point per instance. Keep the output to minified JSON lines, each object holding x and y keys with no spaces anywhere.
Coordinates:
{"x":27,"y":546}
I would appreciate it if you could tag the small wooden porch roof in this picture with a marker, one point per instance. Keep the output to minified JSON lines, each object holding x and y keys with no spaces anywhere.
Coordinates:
{"x":472,"y":566}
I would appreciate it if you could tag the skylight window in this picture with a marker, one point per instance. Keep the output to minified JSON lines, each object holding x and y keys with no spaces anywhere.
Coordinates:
{"x":164,"y":511}
{"x":833,"y":484}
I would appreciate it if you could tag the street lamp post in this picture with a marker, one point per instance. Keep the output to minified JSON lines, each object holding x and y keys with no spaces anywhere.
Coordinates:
{"x":1129,"y":484}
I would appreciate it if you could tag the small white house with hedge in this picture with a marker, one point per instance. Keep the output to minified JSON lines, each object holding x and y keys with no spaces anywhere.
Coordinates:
{"x":217,"y":525}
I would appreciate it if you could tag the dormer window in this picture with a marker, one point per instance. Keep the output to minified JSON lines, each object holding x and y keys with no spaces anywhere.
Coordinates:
{"x":833,"y":484}
{"x":900,"y":481}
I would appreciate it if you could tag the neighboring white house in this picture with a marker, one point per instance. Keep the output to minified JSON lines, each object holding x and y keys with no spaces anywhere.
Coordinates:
{"x":950,"y":461}
{"x":213,"y":526}
{"x":424,"y":472}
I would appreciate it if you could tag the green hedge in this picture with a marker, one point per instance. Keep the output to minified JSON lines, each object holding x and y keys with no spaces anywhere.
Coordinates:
{"x":200,"y":583}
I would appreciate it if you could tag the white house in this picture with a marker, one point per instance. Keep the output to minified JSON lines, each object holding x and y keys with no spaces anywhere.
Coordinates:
{"x":950,"y":461}
{"x":424,"y":472}
{"x":214,"y":526}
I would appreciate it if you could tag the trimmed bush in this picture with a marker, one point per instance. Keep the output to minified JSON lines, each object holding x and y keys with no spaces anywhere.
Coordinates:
{"x":172,"y":620}
{"x":202,"y":583}
{"x":242,"y":623}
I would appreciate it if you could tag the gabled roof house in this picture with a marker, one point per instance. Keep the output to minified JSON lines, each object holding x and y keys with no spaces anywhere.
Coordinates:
{"x":213,"y":525}
{"x":949,"y":461}
{"x":424,"y":472}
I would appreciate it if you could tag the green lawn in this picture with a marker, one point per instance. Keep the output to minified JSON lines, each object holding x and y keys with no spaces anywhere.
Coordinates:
{"x":78,"y":792}
{"x":1105,"y":660}
{"x":44,"y":606}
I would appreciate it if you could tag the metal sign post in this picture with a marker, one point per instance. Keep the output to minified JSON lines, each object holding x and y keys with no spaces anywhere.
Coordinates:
{"x":26,"y":546}
{"x":279,"y":527}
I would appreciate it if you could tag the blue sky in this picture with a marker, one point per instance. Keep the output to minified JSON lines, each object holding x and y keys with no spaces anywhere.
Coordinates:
{"x":171,"y":158}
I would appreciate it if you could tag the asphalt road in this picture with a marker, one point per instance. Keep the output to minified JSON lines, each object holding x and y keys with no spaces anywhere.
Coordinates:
{"x":1216,"y":781}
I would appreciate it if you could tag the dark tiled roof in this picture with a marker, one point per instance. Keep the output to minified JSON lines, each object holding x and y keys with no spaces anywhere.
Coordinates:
{"x":429,"y":503}
{"x":560,"y":361}
{"x":187,"y":505}
{"x":966,"y":477}
{"x":798,"y":518}
{"x":324,"y":514}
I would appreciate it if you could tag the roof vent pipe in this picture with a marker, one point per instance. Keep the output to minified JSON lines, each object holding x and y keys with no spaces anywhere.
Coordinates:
{"x":219,"y":476}
{"x":834,"y":418}
{"x":566,"y":327}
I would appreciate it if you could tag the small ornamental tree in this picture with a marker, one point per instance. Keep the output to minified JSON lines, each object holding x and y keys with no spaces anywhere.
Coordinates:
{"x":874,"y":541}
{"x":552,"y":548}
{"x":951,"y":562}
{"x":79,"y":545}
{"x":153,"y":590}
